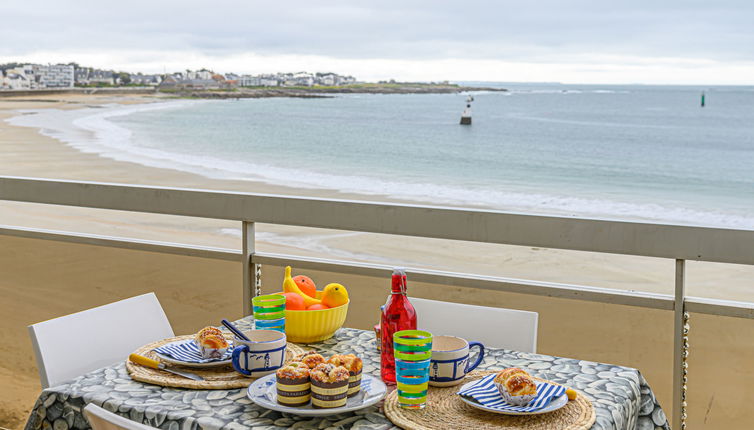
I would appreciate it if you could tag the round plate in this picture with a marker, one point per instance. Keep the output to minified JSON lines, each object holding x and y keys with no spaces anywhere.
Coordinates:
{"x":171,"y":360}
{"x":554,"y":405}
{"x":263,"y":392}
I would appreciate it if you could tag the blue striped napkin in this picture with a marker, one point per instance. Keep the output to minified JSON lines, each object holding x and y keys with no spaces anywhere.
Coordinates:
{"x":485,"y":392}
{"x":366,"y":384}
{"x":188,"y":351}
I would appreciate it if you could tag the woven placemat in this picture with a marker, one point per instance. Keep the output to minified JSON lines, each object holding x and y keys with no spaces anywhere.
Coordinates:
{"x":215,"y":378}
{"x":445,"y":409}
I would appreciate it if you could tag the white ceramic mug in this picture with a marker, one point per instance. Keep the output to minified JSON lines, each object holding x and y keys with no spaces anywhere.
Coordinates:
{"x":262,"y":355}
{"x":450,"y":360}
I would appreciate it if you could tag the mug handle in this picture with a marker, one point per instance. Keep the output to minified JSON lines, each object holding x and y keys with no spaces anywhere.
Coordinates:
{"x":478,"y":358}
{"x":235,"y":355}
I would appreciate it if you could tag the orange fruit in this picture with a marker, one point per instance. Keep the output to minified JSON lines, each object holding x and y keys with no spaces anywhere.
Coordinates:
{"x":294,"y":302}
{"x":572,"y":394}
{"x":317,"y":307}
{"x":306,"y":285}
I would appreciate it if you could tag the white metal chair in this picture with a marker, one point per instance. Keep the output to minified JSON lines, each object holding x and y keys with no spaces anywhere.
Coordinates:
{"x":75,"y":344}
{"x":494,"y":327}
{"x":101,"y":419}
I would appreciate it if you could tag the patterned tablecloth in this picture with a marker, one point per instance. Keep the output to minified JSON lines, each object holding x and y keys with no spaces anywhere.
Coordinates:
{"x":620,"y":395}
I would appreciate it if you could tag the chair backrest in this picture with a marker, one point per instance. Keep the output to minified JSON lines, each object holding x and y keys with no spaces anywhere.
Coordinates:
{"x":101,"y":419}
{"x":75,"y":344}
{"x":494,"y":327}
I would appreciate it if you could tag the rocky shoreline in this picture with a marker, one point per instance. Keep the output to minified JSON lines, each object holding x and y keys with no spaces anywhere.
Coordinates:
{"x":323,"y":92}
{"x":262,"y":92}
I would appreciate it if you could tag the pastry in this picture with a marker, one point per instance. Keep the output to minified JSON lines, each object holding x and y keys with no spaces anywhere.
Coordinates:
{"x":211,"y":342}
{"x":312,"y":359}
{"x":354,"y":366}
{"x":207,"y":331}
{"x":329,"y":384}
{"x":293,"y":388}
{"x":507,"y":373}
{"x":516,"y":386}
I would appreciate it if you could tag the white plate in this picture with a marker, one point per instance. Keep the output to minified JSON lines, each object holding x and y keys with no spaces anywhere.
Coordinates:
{"x":263,"y":392}
{"x":170,"y":360}
{"x":554,"y":405}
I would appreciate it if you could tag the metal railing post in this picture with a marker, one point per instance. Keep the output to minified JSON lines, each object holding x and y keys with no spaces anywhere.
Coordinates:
{"x":251,"y":276}
{"x":680,"y":347}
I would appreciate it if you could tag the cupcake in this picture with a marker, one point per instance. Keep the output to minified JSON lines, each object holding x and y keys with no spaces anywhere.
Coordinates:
{"x":312,"y":359}
{"x":354,"y":366}
{"x":293,"y":388}
{"x":516,"y":386}
{"x":211,"y":343}
{"x":329,"y":386}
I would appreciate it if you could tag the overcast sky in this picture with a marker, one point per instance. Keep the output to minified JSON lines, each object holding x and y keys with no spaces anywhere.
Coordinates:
{"x":639,"y":41}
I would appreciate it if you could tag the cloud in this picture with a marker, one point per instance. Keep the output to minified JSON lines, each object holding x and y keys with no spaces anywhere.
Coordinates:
{"x":566,"y":41}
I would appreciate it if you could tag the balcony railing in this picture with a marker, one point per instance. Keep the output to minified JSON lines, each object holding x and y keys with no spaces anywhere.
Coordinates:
{"x":679,"y":243}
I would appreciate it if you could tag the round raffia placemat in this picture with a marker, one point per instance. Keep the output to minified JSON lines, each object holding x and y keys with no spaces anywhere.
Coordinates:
{"x":215,"y":378}
{"x":445,"y":409}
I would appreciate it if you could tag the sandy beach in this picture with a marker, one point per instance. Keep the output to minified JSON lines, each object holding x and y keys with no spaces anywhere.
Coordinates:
{"x":42,"y":280}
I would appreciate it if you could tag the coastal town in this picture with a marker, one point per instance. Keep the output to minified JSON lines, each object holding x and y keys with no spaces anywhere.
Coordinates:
{"x":15,"y":76}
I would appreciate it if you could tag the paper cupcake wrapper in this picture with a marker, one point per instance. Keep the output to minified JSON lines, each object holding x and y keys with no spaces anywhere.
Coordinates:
{"x":293,"y":392}
{"x":515,"y":400}
{"x":329,"y":395}
{"x":215,"y":353}
{"x":354,"y":384}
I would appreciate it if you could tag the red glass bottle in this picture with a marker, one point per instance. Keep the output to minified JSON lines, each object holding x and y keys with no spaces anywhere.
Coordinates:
{"x":397,"y":315}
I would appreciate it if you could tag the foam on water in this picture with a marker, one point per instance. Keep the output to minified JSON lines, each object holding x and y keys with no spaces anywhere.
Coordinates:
{"x":92,"y":130}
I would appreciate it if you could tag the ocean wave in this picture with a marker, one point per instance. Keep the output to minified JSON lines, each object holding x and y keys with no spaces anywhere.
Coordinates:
{"x":90,"y":130}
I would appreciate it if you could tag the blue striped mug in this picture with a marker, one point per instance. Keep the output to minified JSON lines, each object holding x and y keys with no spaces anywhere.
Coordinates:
{"x":263,"y":354}
{"x":450,"y":360}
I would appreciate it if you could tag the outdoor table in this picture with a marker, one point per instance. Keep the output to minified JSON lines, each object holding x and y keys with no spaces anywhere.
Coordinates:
{"x":621,"y":397}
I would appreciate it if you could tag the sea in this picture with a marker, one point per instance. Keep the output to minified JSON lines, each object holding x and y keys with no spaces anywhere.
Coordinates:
{"x":629,"y":152}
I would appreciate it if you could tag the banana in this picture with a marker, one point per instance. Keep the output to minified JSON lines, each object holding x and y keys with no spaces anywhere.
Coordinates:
{"x":289,"y":286}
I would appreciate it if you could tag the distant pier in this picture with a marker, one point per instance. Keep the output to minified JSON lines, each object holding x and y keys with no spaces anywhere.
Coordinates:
{"x":466,"y":115}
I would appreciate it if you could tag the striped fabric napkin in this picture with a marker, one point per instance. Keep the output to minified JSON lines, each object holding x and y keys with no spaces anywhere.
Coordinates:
{"x":366,"y":384}
{"x":486,"y":393}
{"x":188,"y":351}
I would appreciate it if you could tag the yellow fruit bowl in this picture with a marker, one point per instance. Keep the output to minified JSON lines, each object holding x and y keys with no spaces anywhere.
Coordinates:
{"x":314,"y":326}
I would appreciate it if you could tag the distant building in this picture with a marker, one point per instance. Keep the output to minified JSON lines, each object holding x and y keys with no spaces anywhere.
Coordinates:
{"x":14,"y":81}
{"x":249,"y":81}
{"x":346,"y":80}
{"x":303,"y":79}
{"x":199,"y":84}
{"x":168,"y":82}
{"x":269,"y":81}
{"x":89,"y":76}
{"x":34,"y":76}
{"x":328,"y":79}
{"x":54,"y":75}
{"x":146,"y":80}
{"x":37,"y":76}
{"x":203,"y":74}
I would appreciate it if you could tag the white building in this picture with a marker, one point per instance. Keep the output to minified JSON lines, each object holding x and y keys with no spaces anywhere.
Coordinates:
{"x":249,"y":81}
{"x":14,"y":81}
{"x":328,"y":79}
{"x":21,"y":78}
{"x":141,"y":79}
{"x":90,"y":76}
{"x":199,"y":74}
{"x":304,"y":79}
{"x":268,"y":81}
{"x":53,"y":75}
